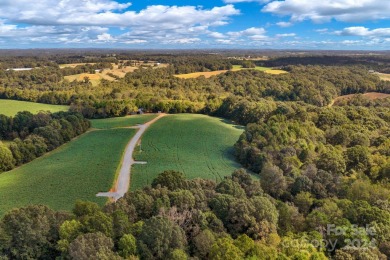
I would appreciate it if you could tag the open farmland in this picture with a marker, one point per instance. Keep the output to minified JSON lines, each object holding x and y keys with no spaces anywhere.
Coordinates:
{"x":93,"y":78}
{"x":105,"y":73}
{"x":77,"y":170}
{"x":369,"y":95}
{"x":275,"y":71}
{"x":12,"y":107}
{"x":197,"y":145}
{"x":208,"y":74}
{"x":73,"y":65}
{"x":384,"y":76}
{"x":121,"y":121}
{"x":265,"y":69}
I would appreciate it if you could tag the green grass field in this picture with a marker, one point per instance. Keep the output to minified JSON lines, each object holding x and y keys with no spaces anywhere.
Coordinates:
{"x":121,"y":121}
{"x":265,"y":69}
{"x":239,"y":67}
{"x":11,"y":107}
{"x":197,"y":145}
{"x":77,"y":170}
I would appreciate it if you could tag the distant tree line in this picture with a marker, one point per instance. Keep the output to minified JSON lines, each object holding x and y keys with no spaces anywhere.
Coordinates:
{"x":30,"y":136}
{"x":159,"y":90}
{"x":378,"y":63}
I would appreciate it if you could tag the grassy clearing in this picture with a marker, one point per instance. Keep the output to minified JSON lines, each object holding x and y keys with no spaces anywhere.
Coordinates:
{"x":121,"y":121}
{"x":265,"y":69}
{"x":384,"y":76}
{"x":275,"y":71}
{"x":93,"y":78}
{"x":73,"y":65}
{"x":77,"y":170}
{"x":197,"y":145}
{"x":98,"y":76}
{"x":369,"y":95}
{"x":12,"y":107}
{"x":239,"y":67}
{"x":208,"y":74}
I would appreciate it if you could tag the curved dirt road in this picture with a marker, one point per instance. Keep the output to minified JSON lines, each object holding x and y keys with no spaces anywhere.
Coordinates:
{"x":123,"y":182}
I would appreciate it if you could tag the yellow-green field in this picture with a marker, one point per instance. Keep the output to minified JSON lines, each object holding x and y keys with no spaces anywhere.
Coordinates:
{"x":265,"y":69}
{"x":208,"y":74}
{"x":116,"y":70}
{"x":73,"y":65}
{"x":11,"y":107}
{"x":384,"y":76}
{"x":275,"y":71}
{"x":93,"y":78}
{"x":121,"y":121}
{"x":197,"y":145}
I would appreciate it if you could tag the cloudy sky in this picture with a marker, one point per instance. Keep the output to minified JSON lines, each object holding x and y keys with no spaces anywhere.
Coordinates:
{"x":283,"y":24}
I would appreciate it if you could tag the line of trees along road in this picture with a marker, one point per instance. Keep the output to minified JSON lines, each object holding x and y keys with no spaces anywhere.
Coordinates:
{"x":33,"y":135}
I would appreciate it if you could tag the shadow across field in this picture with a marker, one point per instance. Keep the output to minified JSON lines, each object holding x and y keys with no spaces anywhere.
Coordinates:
{"x":230,"y":122}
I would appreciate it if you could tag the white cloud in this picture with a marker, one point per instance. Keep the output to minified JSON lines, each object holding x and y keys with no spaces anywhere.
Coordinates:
{"x":285,"y":35}
{"x":135,"y":41}
{"x":111,"y":13}
{"x":250,"y":34}
{"x":322,"y":31}
{"x":364,"y":32}
{"x":222,"y":41}
{"x":284,"y":24}
{"x":66,"y":20}
{"x":217,"y":35}
{"x":184,"y":40}
{"x":322,"y":11}
{"x":105,"y":37}
{"x":50,"y":12}
{"x":349,"y":42}
{"x":50,"y":34}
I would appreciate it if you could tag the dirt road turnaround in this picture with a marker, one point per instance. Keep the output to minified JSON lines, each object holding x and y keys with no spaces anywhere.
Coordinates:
{"x":123,"y":182}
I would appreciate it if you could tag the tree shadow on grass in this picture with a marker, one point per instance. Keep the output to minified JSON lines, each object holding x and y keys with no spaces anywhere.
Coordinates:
{"x":230,"y":122}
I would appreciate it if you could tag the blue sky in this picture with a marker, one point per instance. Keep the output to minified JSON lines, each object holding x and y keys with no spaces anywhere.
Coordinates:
{"x":147,"y":24}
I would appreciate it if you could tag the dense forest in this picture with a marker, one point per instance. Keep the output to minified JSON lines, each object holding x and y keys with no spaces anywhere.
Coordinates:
{"x":315,"y":177}
{"x":175,"y":218}
{"x":30,"y":136}
{"x":158,"y":89}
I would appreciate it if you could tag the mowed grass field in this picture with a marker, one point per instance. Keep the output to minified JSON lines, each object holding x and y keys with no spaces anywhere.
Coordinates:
{"x":93,"y":78}
{"x":384,"y":76}
{"x":197,"y":145}
{"x":77,"y":170}
{"x":208,"y":74}
{"x":121,"y":121}
{"x":368,"y":95}
{"x":265,"y":69}
{"x":116,"y":70}
{"x":12,"y":107}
